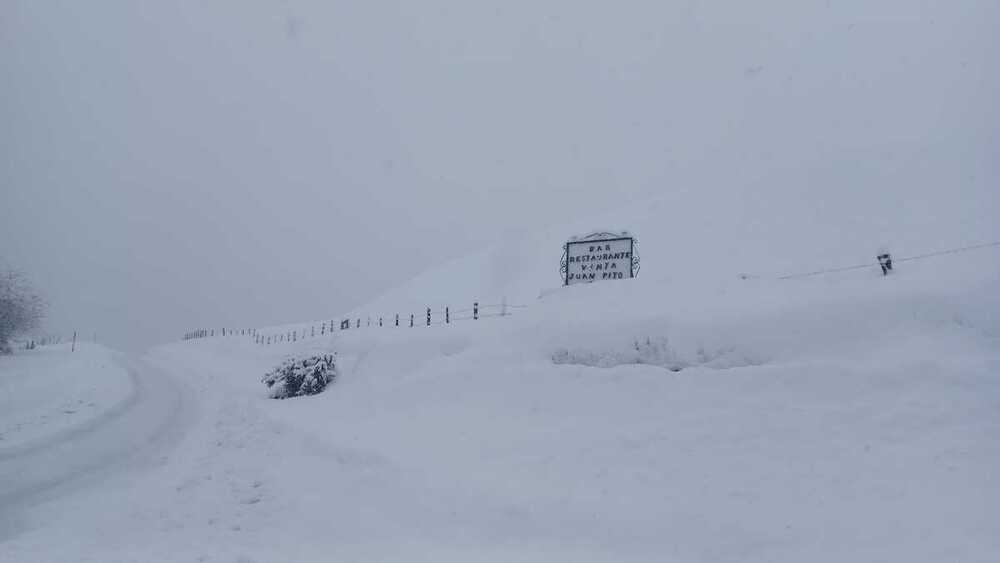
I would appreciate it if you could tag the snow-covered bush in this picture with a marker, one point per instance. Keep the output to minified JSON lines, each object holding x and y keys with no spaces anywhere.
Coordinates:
{"x":296,"y":377}
{"x":649,"y":351}
{"x":655,"y":352}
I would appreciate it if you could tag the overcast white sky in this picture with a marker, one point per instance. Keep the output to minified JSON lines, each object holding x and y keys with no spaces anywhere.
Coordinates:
{"x":170,"y":165}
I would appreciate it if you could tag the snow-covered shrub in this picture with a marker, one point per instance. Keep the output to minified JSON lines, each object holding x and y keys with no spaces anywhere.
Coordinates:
{"x":300,"y":377}
{"x":656,"y":352}
{"x":648,"y":351}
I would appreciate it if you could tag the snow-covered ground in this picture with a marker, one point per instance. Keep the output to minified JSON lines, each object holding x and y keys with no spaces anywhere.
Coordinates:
{"x":50,"y":390}
{"x":846,"y":417}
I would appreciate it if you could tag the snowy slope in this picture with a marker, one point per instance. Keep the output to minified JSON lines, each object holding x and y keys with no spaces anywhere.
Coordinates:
{"x":698,"y":235}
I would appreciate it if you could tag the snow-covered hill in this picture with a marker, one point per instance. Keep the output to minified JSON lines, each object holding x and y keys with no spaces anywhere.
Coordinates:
{"x":692,"y":237}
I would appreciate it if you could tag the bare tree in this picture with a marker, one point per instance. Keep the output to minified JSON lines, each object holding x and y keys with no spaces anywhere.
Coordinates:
{"x":21,"y":308}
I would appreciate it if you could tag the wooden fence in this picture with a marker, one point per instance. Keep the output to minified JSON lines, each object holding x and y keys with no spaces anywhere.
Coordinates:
{"x":427,"y":318}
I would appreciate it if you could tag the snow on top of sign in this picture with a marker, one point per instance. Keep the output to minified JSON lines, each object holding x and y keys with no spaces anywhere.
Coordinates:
{"x":600,"y":235}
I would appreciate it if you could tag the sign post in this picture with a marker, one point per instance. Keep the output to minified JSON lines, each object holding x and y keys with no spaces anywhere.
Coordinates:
{"x":599,"y":257}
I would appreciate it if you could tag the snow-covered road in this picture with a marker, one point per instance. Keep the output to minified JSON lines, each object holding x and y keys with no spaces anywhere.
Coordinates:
{"x":133,"y":430}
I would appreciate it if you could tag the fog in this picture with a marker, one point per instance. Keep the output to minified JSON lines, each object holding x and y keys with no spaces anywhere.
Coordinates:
{"x":168,"y":166}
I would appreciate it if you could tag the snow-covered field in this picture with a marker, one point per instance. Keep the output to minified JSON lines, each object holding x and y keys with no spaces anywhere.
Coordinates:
{"x":846,"y":417}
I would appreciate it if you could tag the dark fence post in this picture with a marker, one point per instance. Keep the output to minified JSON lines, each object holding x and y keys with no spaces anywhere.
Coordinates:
{"x":447,"y":316}
{"x":428,"y":316}
{"x":397,"y":319}
{"x":475,"y":311}
{"x":380,"y":321}
{"x":411,"y":320}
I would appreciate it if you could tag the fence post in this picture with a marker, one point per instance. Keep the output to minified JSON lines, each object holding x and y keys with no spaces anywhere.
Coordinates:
{"x":73,"y":349}
{"x":359,"y":324}
{"x":428,"y":316}
{"x":380,"y":321}
{"x":447,"y":316}
{"x":397,"y":319}
{"x":475,"y":311}
{"x":411,"y":320}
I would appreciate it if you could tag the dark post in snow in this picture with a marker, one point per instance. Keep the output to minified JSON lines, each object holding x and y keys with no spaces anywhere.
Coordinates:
{"x":359,"y":324}
{"x":475,"y":311}
{"x":397,"y":319}
{"x":73,"y":349}
{"x":428,"y":316}
{"x":447,"y":315}
{"x":380,"y":321}
{"x":411,"y":320}
{"x":885,"y":261}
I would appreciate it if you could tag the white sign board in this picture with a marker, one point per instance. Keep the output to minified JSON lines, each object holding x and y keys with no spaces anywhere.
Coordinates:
{"x":599,"y":259}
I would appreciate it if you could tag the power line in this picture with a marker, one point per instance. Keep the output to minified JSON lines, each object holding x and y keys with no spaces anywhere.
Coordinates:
{"x":906,"y":259}
{"x":950,"y":251}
